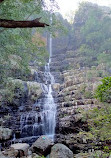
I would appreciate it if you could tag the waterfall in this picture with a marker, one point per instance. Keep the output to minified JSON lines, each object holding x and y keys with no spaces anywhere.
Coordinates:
{"x":42,"y":122}
{"x":49,"y":108}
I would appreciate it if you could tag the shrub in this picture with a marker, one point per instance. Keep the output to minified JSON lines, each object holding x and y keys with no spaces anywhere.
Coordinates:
{"x":99,"y":121}
{"x":103,"y":92}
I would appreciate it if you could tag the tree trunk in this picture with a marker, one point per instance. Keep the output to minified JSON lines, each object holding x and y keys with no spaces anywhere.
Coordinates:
{"x":21,"y":24}
{"x":1,"y":1}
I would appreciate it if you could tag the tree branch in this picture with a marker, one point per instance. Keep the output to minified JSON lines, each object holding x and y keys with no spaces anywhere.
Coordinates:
{"x":21,"y":24}
{"x":1,"y":1}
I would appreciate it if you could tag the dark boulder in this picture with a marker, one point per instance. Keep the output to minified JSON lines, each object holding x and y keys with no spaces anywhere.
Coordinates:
{"x":42,"y":146}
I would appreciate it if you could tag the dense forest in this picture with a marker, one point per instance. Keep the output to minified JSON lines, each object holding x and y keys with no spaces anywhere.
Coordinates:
{"x":69,"y":63}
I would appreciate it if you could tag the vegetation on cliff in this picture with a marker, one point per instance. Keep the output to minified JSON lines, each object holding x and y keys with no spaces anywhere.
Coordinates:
{"x":99,"y":118}
{"x":92,"y":48}
{"x":92,"y":34}
{"x":103,"y":91}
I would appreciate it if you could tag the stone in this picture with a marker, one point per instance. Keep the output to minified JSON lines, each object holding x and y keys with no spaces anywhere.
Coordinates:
{"x":61,"y":151}
{"x":42,"y":146}
{"x":22,"y":148}
{"x":5,"y":133}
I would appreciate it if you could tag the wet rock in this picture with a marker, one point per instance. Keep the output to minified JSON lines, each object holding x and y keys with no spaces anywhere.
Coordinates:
{"x":61,"y":151}
{"x":5,"y":133}
{"x":42,"y":146}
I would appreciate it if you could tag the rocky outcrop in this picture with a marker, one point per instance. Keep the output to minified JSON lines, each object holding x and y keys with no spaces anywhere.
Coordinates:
{"x":61,"y":151}
{"x":75,"y":97}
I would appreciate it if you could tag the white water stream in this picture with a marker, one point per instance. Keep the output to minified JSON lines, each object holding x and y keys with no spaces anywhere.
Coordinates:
{"x":42,"y":123}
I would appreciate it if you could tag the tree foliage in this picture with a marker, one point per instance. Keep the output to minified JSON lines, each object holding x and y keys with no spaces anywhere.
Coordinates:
{"x":17,"y":47}
{"x":93,"y":33}
{"x":103,"y":92}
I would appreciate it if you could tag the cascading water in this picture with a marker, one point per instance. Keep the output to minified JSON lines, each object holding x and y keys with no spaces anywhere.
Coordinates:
{"x":41,"y":122}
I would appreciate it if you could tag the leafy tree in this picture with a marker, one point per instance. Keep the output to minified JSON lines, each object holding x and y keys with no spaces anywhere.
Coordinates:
{"x":103,"y":92}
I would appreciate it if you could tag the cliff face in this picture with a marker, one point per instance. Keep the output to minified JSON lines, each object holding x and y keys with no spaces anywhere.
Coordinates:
{"x":80,"y":73}
{"x":75,"y":94}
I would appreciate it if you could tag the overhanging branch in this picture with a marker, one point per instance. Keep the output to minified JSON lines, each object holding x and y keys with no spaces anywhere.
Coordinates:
{"x":1,"y":1}
{"x":21,"y":24}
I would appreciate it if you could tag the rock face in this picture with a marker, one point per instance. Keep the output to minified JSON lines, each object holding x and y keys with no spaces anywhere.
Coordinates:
{"x":61,"y":151}
{"x":26,"y":93}
{"x":5,"y":133}
{"x":75,"y":96}
{"x":42,"y":146}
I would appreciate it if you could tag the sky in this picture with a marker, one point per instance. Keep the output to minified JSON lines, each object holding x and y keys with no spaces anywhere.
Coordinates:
{"x":70,"y":6}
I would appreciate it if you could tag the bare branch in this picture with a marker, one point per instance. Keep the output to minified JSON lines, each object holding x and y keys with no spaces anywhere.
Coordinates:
{"x":21,"y":24}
